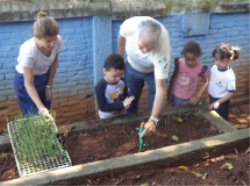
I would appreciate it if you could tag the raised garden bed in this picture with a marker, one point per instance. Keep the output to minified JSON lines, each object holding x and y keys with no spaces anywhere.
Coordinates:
{"x":121,"y":140}
{"x":205,"y":171}
{"x":185,"y":148}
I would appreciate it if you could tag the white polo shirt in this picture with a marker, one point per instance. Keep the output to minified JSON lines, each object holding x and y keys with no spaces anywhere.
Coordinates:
{"x":221,"y":82}
{"x":157,"y":60}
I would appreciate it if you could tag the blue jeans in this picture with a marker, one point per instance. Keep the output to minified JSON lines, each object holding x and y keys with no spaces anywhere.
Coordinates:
{"x":223,"y":109}
{"x":178,"y":101}
{"x":28,"y":107}
{"x":135,"y":83}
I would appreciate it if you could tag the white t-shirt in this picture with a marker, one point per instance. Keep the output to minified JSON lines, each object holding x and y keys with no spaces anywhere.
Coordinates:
{"x":157,"y":60}
{"x":31,"y":57}
{"x":221,"y":82}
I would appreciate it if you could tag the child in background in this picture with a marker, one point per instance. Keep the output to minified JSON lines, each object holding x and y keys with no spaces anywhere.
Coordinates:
{"x":187,"y":72}
{"x":222,"y":86}
{"x":111,"y":91}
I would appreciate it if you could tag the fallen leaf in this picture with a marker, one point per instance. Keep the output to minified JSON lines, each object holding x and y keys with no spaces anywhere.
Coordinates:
{"x":112,"y":175}
{"x":180,"y":120}
{"x":236,"y":151}
{"x":145,"y":184}
{"x":117,"y":182}
{"x":230,"y":166}
{"x":135,"y":178}
{"x":131,"y":172}
{"x":244,"y":183}
{"x":248,"y":150}
{"x":175,"y":138}
{"x":197,"y":165}
{"x":183,"y":168}
{"x":89,"y":181}
{"x":223,"y":167}
{"x":153,"y":184}
{"x":230,"y":176}
{"x":5,"y":155}
{"x":205,"y":155}
{"x":66,"y":133}
{"x":204,"y":177}
{"x":198,"y":174}
{"x":8,"y":174}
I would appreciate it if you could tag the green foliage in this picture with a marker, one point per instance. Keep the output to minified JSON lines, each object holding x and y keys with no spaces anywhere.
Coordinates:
{"x":34,"y":137}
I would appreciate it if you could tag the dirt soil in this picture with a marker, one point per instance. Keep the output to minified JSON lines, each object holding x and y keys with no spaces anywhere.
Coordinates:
{"x":122,"y":140}
{"x":239,"y":117}
{"x":8,"y":169}
{"x":202,"y":172}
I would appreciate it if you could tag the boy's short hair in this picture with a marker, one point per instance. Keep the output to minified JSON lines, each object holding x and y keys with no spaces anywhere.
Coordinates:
{"x":114,"y":61}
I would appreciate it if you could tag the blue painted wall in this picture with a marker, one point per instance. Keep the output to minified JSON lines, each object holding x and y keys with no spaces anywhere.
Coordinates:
{"x":81,"y":61}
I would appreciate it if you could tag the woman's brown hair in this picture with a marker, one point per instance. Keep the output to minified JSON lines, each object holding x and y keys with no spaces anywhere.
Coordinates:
{"x":44,"y":26}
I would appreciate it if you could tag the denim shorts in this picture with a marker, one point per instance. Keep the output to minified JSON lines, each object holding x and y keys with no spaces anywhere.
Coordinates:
{"x":178,"y":101}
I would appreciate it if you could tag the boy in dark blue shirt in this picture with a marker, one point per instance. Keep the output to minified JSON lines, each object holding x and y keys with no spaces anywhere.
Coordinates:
{"x":111,"y":91}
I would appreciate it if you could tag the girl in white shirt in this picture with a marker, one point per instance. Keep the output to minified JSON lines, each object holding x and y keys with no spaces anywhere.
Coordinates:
{"x":222,"y":87}
{"x":36,"y":68}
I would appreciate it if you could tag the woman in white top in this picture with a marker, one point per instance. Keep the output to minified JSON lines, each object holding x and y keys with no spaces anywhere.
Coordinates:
{"x":36,"y":68}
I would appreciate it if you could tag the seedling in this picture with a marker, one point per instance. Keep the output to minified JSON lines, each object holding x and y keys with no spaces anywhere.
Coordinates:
{"x":33,"y":140}
{"x":180,"y":120}
{"x":175,"y":138}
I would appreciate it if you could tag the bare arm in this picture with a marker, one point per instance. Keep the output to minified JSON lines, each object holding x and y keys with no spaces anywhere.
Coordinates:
{"x":194,"y":100}
{"x":204,"y":86}
{"x":52,"y":70}
{"x":160,"y":98}
{"x":159,"y":103}
{"x":121,"y":42}
{"x":29,"y":84}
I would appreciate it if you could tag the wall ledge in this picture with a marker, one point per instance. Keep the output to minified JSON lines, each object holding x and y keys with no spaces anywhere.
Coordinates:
{"x":21,"y":10}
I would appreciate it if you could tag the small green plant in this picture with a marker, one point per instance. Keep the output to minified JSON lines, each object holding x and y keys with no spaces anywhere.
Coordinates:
{"x":34,"y":137}
{"x":175,"y":138}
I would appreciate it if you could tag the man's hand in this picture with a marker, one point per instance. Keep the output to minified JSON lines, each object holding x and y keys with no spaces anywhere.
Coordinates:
{"x":127,"y":101}
{"x":149,"y":129}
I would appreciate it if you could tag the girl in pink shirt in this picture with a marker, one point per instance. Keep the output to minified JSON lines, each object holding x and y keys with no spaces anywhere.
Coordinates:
{"x":187,"y":72}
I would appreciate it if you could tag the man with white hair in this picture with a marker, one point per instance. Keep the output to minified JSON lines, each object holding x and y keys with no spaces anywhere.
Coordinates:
{"x":147,"y":45}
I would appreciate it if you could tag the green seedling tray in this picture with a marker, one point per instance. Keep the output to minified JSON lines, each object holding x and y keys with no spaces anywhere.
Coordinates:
{"x":34,"y":157}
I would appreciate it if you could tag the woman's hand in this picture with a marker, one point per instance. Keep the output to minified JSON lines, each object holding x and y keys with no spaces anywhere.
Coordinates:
{"x":44,"y":111}
{"x":48,"y":93}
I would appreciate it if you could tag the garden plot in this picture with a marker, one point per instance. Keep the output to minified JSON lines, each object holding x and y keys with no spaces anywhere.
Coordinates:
{"x":177,"y":145}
